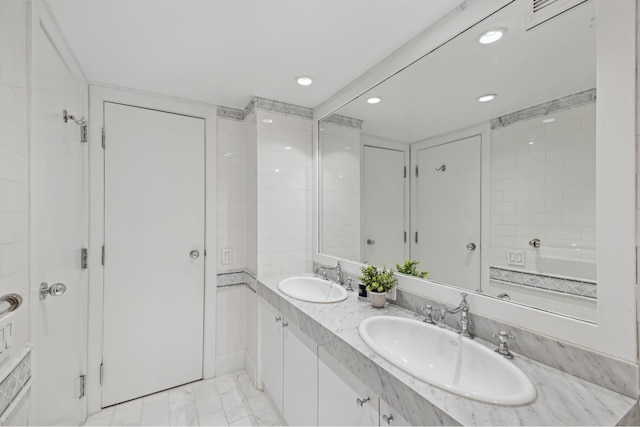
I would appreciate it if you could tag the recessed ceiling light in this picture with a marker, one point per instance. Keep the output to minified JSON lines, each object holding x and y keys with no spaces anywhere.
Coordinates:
{"x":488,"y":97}
{"x":304,"y":80}
{"x":277,"y":170}
{"x":374,"y":100}
{"x":267,"y":120}
{"x":549,"y":120}
{"x":491,"y":36}
{"x":227,"y":154}
{"x":531,"y":142}
{"x":287,"y":148}
{"x":347,"y":148}
{"x":340,"y":176}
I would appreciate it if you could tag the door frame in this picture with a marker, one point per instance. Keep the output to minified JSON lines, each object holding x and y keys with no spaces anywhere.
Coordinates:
{"x":387,"y":144}
{"x":98,"y":95}
{"x":41,"y":18}
{"x":484,"y":131}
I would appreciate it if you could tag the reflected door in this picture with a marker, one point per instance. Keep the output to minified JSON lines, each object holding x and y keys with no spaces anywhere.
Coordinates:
{"x":446,"y":224}
{"x":154,"y":251}
{"x":384,"y":206}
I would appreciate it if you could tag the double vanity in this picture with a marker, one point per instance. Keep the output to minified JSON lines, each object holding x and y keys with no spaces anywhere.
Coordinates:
{"x":349,"y":363}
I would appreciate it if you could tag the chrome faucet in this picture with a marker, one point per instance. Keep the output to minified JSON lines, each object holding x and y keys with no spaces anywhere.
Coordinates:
{"x":428,"y":311}
{"x":463,"y":309}
{"x":503,"y":345}
{"x":324,"y":272}
{"x":339,"y":278}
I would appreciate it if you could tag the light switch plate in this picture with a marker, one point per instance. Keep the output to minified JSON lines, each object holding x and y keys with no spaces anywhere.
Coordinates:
{"x":516,"y":257}
{"x":226,"y":256}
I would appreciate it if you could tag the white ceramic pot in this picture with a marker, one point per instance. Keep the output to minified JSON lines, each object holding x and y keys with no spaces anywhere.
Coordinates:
{"x":377,"y":299}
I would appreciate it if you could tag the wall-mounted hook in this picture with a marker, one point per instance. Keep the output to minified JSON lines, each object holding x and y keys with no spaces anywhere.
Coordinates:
{"x":66,"y":117}
{"x":442,"y":168}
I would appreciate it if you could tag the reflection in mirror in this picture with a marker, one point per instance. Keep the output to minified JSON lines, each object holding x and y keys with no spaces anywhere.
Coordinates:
{"x":494,"y":194}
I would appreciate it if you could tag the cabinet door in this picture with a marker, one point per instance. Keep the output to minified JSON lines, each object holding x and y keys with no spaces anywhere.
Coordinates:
{"x":300,"y":378}
{"x":271,"y":359}
{"x":391,"y":417}
{"x":338,"y":394}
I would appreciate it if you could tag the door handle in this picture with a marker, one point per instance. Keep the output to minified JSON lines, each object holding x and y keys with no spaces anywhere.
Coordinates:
{"x":194,"y":254}
{"x":471,"y":246}
{"x":371,"y":242}
{"x":54,"y":290}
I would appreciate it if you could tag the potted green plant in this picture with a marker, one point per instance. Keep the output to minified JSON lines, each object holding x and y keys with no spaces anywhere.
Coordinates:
{"x":410,"y":268}
{"x":377,"y":281}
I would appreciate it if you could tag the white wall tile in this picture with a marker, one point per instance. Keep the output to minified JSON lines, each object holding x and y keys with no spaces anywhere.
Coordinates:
{"x":14,"y":187}
{"x":543,"y":186}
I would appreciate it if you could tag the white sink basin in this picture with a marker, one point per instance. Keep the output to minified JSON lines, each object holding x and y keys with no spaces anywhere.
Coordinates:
{"x":445,"y":359}
{"x":312,"y":289}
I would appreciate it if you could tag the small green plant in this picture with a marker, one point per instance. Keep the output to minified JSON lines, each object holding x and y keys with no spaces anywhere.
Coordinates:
{"x":377,"y":279}
{"x":410,"y":268}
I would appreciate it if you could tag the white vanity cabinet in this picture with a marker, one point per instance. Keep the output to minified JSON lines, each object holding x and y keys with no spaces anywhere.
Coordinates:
{"x":391,"y":417}
{"x":342,"y":398}
{"x":289,"y":361}
{"x":271,"y":336}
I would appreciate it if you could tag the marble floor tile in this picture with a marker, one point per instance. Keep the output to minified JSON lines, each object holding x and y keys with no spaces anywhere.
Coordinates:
{"x":155,"y":410}
{"x":263,"y":412}
{"x":207,"y":398}
{"x":104,"y":420}
{"x":182,"y":407}
{"x":235,"y":406}
{"x":128,"y":413}
{"x":217,"y":418}
{"x":228,"y":400}
{"x":247,"y":386}
{"x":226,"y":383}
{"x":248,"y":421}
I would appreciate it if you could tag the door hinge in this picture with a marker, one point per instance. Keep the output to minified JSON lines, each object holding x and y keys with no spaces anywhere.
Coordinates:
{"x":405,"y":171}
{"x":83,"y":133}
{"x":416,"y":237}
{"x":416,"y":171}
{"x":104,"y":138}
{"x":405,"y":237}
{"x":84,"y":258}
{"x":83,"y":386}
{"x":101,"y":372}
{"x":102,"y":254}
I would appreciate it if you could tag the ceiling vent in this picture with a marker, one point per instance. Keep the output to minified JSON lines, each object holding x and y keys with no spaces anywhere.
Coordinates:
{"x":543,"y":10}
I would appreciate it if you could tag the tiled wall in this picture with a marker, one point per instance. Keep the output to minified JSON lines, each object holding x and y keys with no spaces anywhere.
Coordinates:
{"x":14,"y":150}
{"x":232,"y":193}
{"x":231,"y":325}
{"x":284,"y":194}
{"x":543,"y":186}
{"x":340,"y":151}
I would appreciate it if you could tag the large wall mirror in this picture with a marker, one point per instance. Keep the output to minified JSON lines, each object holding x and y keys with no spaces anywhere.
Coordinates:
{"x":478,"y":160}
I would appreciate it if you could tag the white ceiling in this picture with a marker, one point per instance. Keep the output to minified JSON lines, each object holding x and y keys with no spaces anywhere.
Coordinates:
{"x":438,"y":94}
{"x":225,"y":52}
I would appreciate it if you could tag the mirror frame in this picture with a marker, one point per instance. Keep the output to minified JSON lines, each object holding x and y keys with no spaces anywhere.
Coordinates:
{"x":615,"y":333}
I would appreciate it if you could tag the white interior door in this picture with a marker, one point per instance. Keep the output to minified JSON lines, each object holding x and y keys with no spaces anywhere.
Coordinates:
{"x":447,"y":211}
{"x":384,"y":206}
{"x":59,"y":229}
{"x":154,"y":251}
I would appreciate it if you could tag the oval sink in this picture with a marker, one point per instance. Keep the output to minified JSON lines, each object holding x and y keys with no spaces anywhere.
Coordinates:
{"x":312,"y":289}
{"x":446,"y":360}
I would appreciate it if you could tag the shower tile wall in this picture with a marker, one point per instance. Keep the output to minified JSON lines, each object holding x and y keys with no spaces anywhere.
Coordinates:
{"x":543,"y":186}
{"x":14,"y":152}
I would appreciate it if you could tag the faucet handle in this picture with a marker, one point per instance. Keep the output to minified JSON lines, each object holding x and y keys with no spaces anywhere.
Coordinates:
{"x":428,"y":311}
{"x":503,"y":346}
{"x":503,"y":336}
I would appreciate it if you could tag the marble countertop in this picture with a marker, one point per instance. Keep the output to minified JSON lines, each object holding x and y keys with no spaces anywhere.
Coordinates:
{"x":562,"y":398}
